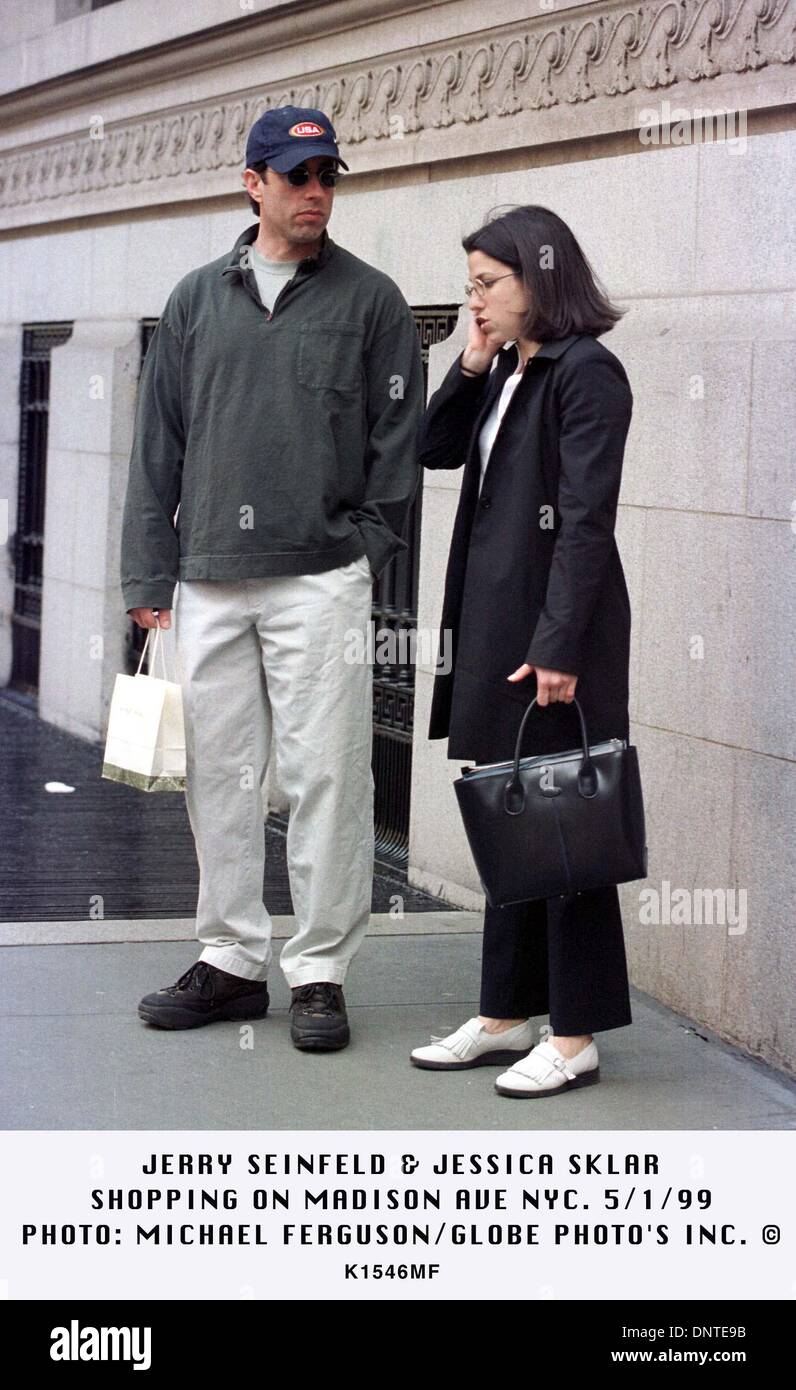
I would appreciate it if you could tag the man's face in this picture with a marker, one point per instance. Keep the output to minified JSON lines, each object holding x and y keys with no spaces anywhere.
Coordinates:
{"x":298,"y":214}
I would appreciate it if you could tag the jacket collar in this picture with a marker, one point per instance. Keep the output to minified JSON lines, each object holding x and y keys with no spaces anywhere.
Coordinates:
{"x":554,"y":347}
{"x":507,"y":361}
{"x":309,"y":264}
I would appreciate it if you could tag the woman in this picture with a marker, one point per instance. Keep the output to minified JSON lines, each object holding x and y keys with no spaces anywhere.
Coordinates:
{"x":536,"y":605}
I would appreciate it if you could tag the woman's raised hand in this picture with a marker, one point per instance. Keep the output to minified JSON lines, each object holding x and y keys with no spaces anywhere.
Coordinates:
{"x":481,"y":347}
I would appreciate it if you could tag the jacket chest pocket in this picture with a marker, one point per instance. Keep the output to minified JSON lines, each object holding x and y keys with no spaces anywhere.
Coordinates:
{"x":330,"y":356}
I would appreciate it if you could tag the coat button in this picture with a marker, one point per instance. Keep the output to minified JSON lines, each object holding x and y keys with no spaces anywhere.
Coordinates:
{"x":486,"y":502}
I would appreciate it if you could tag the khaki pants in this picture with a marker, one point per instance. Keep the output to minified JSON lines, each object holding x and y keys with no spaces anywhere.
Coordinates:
{"x":266,"y":665}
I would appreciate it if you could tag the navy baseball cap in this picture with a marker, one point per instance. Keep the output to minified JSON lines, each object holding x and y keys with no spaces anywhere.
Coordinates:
{"x":288,"y":135}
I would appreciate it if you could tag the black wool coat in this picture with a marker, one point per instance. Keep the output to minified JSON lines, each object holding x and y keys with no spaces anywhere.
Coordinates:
{"x":534,"y":573}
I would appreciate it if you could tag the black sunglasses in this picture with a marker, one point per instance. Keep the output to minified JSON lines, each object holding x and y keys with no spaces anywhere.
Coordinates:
{"x":327,"y":177}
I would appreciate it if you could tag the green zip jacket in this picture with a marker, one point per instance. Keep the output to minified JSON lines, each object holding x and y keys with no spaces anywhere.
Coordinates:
{"x":284,"y":441}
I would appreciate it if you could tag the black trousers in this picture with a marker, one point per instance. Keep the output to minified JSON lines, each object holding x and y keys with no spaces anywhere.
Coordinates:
{"x":562,"y":956}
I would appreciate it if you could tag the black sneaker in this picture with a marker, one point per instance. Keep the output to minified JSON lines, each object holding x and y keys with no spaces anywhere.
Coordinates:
{"x":319,"y":1022}
{"x":205,"y":994}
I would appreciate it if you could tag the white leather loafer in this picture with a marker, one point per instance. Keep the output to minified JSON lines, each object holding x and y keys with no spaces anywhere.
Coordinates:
{"x":472,"y":1046}
{"x":545,"y":1071}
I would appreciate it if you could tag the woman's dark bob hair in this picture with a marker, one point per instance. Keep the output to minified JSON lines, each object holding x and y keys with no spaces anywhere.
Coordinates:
{"x":564,"y":294}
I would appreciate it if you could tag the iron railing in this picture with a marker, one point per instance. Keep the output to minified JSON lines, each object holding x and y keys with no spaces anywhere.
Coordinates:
{"x":395,"y":611}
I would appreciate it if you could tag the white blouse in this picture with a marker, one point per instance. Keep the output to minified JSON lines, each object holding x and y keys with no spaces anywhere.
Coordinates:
{"x":491,"y":425}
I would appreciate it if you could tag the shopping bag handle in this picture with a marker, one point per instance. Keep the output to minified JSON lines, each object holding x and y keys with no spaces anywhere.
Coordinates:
{"x":157,"y":645}
{"x":514,"y":795}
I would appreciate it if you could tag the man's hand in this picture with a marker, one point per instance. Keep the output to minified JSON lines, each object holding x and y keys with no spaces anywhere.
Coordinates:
{"x":151,"y":617}
{"x":550,"y":685}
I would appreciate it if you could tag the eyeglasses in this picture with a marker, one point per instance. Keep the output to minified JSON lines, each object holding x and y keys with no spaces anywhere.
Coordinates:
{"x":328,"y":176}
{"x":481,"y":286}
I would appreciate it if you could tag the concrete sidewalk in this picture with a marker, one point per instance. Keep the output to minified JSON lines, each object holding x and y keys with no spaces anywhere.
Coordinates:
{"x":78,"y":1057}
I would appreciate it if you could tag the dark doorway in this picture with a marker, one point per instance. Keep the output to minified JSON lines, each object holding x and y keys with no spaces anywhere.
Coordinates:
{"x":38,"y":340}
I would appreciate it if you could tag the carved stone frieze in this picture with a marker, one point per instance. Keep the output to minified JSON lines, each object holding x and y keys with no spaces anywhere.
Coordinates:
{"x":604,"y":51}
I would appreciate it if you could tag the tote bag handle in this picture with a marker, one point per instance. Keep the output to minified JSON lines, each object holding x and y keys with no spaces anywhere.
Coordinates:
{"x":157,"y":645}
{"x":514,"y":796}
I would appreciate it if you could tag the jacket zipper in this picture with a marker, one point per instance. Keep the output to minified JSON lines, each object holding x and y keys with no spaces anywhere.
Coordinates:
{"x":254,"y":294}
{"x":283,"y":290}
{"x":291,"y":282}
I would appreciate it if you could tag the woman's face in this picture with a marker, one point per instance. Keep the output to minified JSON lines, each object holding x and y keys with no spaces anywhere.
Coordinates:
{"x":500,"y":307}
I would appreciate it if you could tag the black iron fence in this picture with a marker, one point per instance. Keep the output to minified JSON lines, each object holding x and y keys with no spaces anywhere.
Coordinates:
{"x":395,"y":611}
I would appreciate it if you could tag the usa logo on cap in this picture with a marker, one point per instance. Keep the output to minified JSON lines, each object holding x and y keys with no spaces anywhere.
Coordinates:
{"x":307,"y":128}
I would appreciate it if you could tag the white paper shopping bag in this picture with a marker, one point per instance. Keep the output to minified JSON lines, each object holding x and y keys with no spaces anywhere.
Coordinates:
{"x":145,"y":744}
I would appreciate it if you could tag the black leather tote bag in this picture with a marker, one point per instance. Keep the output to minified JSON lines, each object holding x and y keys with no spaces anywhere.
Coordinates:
{"x":546,"y":826}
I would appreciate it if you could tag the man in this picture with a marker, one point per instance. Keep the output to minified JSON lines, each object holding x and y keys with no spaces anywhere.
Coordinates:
{"x":278,"y":407}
